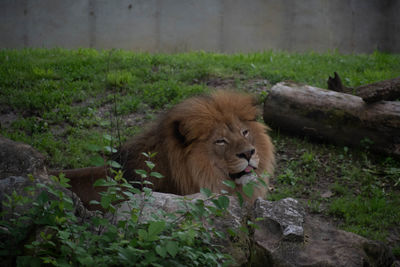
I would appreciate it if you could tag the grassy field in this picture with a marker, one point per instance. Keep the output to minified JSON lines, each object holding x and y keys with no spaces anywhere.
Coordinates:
{"x":66,"y":103}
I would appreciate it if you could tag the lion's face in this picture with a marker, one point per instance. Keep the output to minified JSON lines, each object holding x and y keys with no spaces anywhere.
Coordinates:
{"x":234,"y":150}
{"x":219,"y":139}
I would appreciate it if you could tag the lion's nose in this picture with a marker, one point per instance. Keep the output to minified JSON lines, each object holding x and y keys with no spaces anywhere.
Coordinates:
{"x":247,"y":154}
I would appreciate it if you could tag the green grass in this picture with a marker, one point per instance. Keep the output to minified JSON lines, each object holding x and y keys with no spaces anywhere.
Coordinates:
{"x":363,"y":191}
{"x":61,"y":103}
{"x":368,"y":216}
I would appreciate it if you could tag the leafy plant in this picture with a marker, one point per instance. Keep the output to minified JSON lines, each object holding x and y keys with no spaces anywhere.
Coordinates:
{"x":288,"y":177}
{"x":62,"y":238}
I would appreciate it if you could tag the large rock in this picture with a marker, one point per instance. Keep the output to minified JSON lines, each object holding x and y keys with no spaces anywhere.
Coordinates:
{"x":21,"y":167}
{"x":289,"y":237}
{"x":18,"y":159}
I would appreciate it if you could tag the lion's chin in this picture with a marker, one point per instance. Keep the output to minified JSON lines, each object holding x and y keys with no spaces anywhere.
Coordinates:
{"x":243,"y":176}
{"x":248,"y":177}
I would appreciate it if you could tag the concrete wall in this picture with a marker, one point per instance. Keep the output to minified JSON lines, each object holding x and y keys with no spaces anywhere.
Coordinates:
{"x":360,"y":26}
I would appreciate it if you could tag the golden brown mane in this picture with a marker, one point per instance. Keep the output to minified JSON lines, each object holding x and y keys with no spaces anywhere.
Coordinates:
{"x":201,"y":142}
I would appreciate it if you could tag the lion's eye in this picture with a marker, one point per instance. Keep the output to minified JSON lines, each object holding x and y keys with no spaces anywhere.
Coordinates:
{"x":245,"y":133}
{"x":220,"y":142}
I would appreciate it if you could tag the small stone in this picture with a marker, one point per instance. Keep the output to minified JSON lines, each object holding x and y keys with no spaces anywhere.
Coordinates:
{"x":327,"y":194}
{"x":293,"y":233}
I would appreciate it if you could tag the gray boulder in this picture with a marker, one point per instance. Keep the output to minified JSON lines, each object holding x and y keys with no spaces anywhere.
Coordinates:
{"x":18,"y":159}
{"x":21,"y":166}
{"x":287,"y":236}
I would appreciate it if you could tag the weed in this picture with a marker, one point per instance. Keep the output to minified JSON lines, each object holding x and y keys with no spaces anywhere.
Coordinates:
{"x":314,"y":206}
{"x":339,"y":189}
{"x":280,"y":193}
{"x":288,"y":177}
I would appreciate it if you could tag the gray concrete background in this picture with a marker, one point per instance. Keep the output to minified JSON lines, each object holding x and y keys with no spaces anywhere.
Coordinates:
{"x":359,"y":26}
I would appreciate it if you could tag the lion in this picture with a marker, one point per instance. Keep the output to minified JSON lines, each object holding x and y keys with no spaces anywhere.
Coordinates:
{"x":200,"y":142}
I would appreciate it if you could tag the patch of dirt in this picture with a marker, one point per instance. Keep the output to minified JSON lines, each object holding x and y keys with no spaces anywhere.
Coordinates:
{"x":7,"y":119}
{"x":255,"y":86}
{"x":220,"y":83}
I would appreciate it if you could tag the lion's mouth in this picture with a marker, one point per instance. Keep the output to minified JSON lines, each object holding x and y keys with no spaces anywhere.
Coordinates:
{"x":237,"y":175}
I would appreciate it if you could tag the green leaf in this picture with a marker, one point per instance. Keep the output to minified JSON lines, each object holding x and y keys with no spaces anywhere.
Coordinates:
{"x":147,"y":190}
{"x":205,"y":191}
{"x":93,"y":147}
{"x":248,"y":189}
{"x":172,"y":248}
{"x":104,"y":123}
{"x":94,"y":202}
{"x":64,"y":181}
{"x":107,"y":137}
{"x":156,"y":175}
{"x":154,"y":229}
{"x":244,"y":229}
{"x":96,"y":160}
{"x":152,"y":155}
{"x":220,"y":234}
{"x":223,"y":202}
{"x":114,"y":164}
{"x":86,"y":260}
{"x":240,"y":198}
{"x":106,"y":201}
{"x":216,"y":203}
{"x":147,"y":183}
{"x":142,"y":234}
{"x":142,"y":173}
{"x":100,"y":182}
{"x":161,"y":251}
{"x":262,"y":182}
{"x":134,"y":217}
{"x":251,"y":224}
{"x":230,"y":184}
{"x":231,"y":232}
{"x":136,"y":191}
{"x":43,"y":197}
{"x":64,"y":235}
{"x":150,"y":164}
{"x":110,"y":149}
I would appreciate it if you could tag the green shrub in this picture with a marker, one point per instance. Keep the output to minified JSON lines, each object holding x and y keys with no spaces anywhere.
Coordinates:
{"x":62,"y":239}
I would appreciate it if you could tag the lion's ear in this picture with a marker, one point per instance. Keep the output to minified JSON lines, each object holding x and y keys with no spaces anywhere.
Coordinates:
{"x":179,"y":132}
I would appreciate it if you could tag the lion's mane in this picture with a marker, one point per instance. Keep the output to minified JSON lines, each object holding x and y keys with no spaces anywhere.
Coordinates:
{"x":187,"y":140}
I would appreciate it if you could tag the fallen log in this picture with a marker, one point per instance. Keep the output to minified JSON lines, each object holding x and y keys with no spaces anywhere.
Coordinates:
{"x":340,"y":118}
{"x":384,"y":90}
{"x":370,"y":93}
